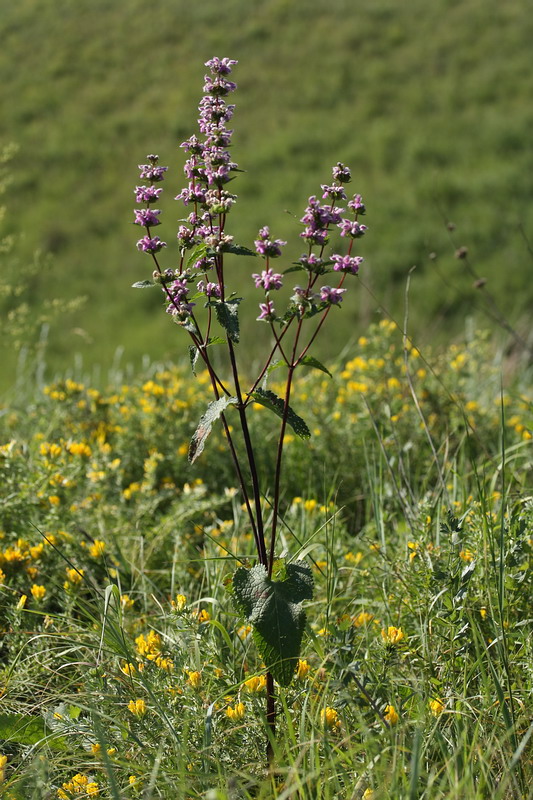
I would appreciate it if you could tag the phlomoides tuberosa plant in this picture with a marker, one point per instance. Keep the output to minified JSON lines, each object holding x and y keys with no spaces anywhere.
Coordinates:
{"x":197,"y":298}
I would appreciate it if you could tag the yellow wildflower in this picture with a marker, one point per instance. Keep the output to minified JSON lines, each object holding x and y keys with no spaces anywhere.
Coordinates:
{"x":329,"y":717}
{"x":203,"y":616}
{"x":368,"y":794}
{"x":483,"y":612}
{"x":97,"y":548}
{"x":126,"y":602}
{"x":237,"y":712}
{"x":38,"y":592}
{"x":74,"y":575}
{"x":149,"y":645}
{"x":22,"y":602}
{"x":194,"y":679}
{"x":436,"y":706}
{"x":179,"y":603}
{"x":362,"y":618}
{"x":467,"y":555}
{"x":413,"y":547}
{"x":79,"y":449}
{"x":255,"y":684}
{"x":3,"y":762}
{"x":391,"y":715}
{"x":392,"y":636}
{"x":137,"y":707}
{"x":354,"y":558}
{"x":302,"y":670}
{"x":54,"y":500}
{"x":164,"y":663}
{"x":128,"y":669}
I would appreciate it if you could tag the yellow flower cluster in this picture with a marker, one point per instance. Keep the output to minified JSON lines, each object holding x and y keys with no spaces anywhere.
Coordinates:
{"x":236,"y":712}
{"x":392,"y":636}
{"x":329,"y":718}
{"x":79,"y":784}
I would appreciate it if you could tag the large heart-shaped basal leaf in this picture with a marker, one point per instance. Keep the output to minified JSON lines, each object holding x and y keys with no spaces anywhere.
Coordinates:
{"x":274,"y":610}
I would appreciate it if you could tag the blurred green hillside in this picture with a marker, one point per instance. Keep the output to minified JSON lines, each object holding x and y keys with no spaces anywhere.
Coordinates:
{"x":429,"y":103}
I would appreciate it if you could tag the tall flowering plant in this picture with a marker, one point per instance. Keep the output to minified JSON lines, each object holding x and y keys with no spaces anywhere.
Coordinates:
{"x":198,"y":299}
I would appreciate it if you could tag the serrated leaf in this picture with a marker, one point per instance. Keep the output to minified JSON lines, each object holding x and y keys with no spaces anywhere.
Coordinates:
{"x":198,"y":252}
{"x":274,"y":610}
{"x":227,"y":315}
{"x":296,"y":268}
{"x":193,"y":357}
{"x":271,"y":401}
{"x":213,"y":412}
{"x":143,"y":284}
{"x":309,"y":361}
{"x":240,"y":250}
{"x":194,"y":352}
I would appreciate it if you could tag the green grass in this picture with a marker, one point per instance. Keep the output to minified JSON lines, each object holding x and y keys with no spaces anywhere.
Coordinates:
{"x":427,"y":103}
{"x":411,"y":504}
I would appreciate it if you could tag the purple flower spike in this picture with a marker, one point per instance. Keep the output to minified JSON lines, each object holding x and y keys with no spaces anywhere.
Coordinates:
{"x":331,"y":295}
{"x":148,"y":245}
{"x":268,"y":311}
{"x":349,"y":264}
{"x":147,"y":217}
{"x":268,"y":280}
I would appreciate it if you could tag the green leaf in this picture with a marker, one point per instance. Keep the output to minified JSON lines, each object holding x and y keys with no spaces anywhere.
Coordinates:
{"x":193,"y":357}
{"x":309,"y":361}
{"x":296,"y":268}
{"x":198,"y":252}
{"x":28,"y":731}
{"x":194,"y":352}
{"x":227,"y":315}
{"x":143,"y":284}
{"x":213,"y":412}
{"x":271,"y":401}
{"x":273,"y":608}
{"x":240,"y":250}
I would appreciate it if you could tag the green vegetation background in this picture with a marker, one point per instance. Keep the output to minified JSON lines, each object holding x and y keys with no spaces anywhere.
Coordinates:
{"x":429,"y":103}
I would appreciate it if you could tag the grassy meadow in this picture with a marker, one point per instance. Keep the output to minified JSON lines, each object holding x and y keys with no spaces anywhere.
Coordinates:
{"x":428,"y":103}
{"x":127,"y":671}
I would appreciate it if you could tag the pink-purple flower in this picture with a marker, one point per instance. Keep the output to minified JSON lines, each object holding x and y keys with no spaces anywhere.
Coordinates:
{"x":268,"y":279}
{"x":265,"y":246}
{"x":150,"y":172}
{"x":329,"y":294}
{"x":268,"y":311}
{"x":352,"y":228}
{"x":147,"y":194}
{"x":150,"y":245}
{"x":349,"y":264}
{"x":210,"y":289}
{"x":148,"y":217}
{"x":357,"y":204}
